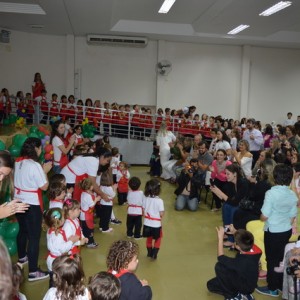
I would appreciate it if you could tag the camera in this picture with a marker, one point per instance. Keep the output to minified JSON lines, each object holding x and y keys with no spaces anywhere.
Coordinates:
{"x":294,"y":267}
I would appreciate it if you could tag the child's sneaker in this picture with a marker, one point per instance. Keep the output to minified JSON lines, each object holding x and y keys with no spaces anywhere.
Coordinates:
{"x":247,"y":297}
{"x":237,"y":297}
{"x":279,"y":269}
{"x":92,"y":245}
{"x":108,"y":230}
{"x":23,"y":261}
{"x":38,"y":275}
{"x":115,"y":221}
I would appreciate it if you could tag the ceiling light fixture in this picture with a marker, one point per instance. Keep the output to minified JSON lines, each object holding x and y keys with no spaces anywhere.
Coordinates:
{"x":20,"y":8}
{"x":166,"y":6}
{"x":275,"y":8}
{"x":238,"y":29}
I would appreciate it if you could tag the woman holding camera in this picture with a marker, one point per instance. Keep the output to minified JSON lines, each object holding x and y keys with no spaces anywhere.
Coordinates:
{"x":218,"y":175}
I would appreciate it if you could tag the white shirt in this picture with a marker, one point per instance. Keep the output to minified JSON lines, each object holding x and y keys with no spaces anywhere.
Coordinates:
{"x":256,"y":144}
{"x":120,"y":174}
{"x":56,"y":204}
{"x":153,"y":207}
{"x":288,"y":122}
{"x":29,"y":176}
{"x":67,"y":128}
{"x":223,"y":145}
{"x":57,"y":246}
{"x":246,"y":165}
{"x":135,"y":198}
{"x":86,"y":201}
{"x":163,"y":141}
{"x":56,"y":142}
{"x":51,"y":295}
{"x":81,"y":165}
{"x":109,"y":191}
{"x":233,"y":143}
{"x":114,"y":163}
{"x":70,"y":229}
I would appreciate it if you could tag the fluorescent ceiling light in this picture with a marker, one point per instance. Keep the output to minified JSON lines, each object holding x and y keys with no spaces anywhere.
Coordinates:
{"x":20,"y":8}
{"x":166,"y":6}
{"x":275,"y":8}
{"x":238,"y":29}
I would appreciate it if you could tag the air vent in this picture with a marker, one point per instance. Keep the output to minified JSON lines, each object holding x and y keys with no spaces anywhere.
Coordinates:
{"x":113,"y":40}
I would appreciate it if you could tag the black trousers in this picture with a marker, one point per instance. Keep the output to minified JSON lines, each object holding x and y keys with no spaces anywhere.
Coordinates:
{"x":104,"y":213}
{"x":220,"y":184}
{"x":87,"y":232}
{"x":134,"y":224}
{"x":274,"y":247}
{"x":122,"y":198}
{"x":255,"y":157}
{"x":28,"y":238}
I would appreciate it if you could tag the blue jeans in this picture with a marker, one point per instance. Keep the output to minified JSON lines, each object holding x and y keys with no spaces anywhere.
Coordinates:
{"x":183,"y":200}
{"x":227,"y":214}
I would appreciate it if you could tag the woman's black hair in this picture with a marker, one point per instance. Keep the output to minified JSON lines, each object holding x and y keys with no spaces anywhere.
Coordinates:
{"x":152,"y":188}
{"x":28,"y":148}
{"x":224,"y":136}
{"x":54,"y":132}
{"x":235,"y":168}
{"x":224,"y":152}
{"x":99,"y":151}
{"x":283,"y":174}
{"x":269,"y":129}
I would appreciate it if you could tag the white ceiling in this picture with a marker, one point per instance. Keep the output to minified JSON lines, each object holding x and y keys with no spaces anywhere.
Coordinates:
{"x":203,"y":21}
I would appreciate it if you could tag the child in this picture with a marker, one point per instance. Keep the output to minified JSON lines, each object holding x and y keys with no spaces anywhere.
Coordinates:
{"x":87,"y":202}
{"x":57,"y":241}
{"x":122,"y":261}
{"x":17,"y":279}
{"x":68,"y":277}
{"x":135,"y":208}
{"x":153,"y":212}
{"x":104,"y":286}
{"x":155,"y":167}
{"x":62,"y":179}
{"x":72,"y":226}
{"x":56,"y":193}
{"x":114,"y":163}
{"x":105,"y":208}
{"x":236,"y":278}
{"x":122,"y":180}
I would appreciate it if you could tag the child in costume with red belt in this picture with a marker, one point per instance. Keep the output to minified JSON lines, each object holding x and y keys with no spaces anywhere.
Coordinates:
{"x":72,"y":225}
{"x":87,"y":203}
{"x":122,"y":261}
{"x":57,"y":241}
{"x":123,"y":176}
{"x":153,"y":212}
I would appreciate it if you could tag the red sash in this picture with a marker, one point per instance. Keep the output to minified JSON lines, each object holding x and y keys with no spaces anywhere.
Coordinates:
{"x":120,"y":273}
{"x":89,"y":215}
{"x":147,"y":216}
{"x":77,"y":189}
{"x":75,"y":249}
{"x":38,"y":191}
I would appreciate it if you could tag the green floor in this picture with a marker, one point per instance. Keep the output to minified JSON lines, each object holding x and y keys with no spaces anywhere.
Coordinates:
{"x":186,"y":259}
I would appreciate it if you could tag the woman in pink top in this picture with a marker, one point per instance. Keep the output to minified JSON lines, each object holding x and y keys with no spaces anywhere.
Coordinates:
{"x":218,"y":175}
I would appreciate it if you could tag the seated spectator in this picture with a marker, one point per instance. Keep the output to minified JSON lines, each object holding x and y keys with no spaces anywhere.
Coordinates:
{"x":244,"y":157}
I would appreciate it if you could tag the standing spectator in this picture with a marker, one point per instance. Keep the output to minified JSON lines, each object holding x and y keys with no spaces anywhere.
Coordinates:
{"x":254,"y":138}
{"x":278,"y":212}
{"x":289,"y":120}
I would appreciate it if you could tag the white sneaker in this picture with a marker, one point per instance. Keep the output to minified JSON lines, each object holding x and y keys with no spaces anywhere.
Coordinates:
{"x":108,"y":230}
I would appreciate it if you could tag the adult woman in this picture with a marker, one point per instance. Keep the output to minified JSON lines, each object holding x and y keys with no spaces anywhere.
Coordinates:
{"x":6,"y":284}
{"x":262,"y":157}
{"x":30,"y":180}
{"x":60,"y":147}
{"x":223,"y":142}
{"x":290,"y":134}
{"x":163,"y":138}
{"x":37,"y":86}
{"x":84,"y":166}
{"x":218,"y":174}
{"x":274,"y":148}
{"x":235,"y":189}
{"x":244,"y":157}
{"x":9,"y":208}
{"x":278,"y":212}
{"x":268,"y":136}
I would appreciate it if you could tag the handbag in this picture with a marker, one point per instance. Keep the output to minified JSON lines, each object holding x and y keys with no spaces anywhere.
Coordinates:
{"x":246,"y":203}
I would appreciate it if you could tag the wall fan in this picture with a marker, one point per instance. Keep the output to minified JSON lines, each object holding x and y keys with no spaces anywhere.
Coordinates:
{"x":163,"y":67}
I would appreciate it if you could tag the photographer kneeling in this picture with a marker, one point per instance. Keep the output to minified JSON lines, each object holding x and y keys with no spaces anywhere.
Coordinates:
{"x":189,"y":182}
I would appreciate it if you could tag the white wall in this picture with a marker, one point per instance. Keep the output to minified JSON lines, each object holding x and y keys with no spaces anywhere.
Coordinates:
{"x":30,"y":53}
{"x":274,"y":87}
{"x":122,"y":74}
{"x":208,"y":76}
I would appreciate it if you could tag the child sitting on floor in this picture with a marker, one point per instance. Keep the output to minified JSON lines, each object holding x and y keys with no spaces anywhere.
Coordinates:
{"x":236,"y":277}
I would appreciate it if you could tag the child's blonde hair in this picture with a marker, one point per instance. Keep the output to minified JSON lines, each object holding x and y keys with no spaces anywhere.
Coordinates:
{"x":121,"y":254}
{"x":70,"y":204}
{"x":86,"y":184}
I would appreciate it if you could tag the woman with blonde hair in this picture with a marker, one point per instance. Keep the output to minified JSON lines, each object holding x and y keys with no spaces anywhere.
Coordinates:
{"x":163,"y":138}
{"x":244,"y":157}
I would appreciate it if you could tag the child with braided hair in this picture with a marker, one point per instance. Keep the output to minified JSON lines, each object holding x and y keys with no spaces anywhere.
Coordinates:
{"x":122,"y":261}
